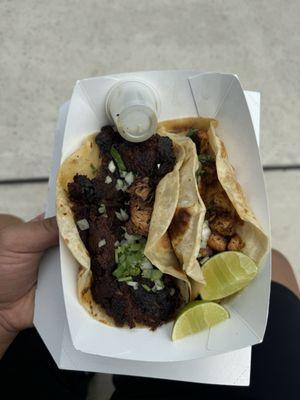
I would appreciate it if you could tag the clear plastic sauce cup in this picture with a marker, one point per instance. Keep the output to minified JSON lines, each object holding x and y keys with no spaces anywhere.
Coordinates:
{"x":133,"y":107}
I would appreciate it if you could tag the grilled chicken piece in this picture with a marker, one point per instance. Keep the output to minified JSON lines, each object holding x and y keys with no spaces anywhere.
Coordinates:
{"x":217,"y":242}
{"x":140,"y":217}
{"x":141,"y":188}
{"x":223,"y":224}
{"x":215,"y":197}
{"x":235,"y":243}
{"x":201,"y":141}
{"x":141,"y":206}
{"x":206,"y":252}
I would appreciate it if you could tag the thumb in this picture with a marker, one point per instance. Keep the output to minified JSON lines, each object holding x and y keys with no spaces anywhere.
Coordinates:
{"x":34,"y":236}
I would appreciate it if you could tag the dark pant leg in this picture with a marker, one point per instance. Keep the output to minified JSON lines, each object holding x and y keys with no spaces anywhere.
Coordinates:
{"x":275,"y":370}
{"x":27,"y":371}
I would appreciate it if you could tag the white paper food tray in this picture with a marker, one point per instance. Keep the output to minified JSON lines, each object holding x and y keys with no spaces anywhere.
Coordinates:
{"x":110,"y":364}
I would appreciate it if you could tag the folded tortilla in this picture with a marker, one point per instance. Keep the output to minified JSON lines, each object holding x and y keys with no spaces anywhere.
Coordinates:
{"x":158,"y":247}
{"x":186,"y":227}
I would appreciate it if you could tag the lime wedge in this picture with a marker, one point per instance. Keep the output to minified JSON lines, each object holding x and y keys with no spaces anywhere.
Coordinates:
{"x":197,"y":316}
{"x":227,"y":273}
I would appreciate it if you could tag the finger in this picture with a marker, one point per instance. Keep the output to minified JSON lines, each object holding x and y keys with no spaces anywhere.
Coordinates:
{"x":6,"y":220}
{"x":33,"y":236}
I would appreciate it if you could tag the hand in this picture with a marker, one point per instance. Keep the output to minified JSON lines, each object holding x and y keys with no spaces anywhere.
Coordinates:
{"x":21,"y":248}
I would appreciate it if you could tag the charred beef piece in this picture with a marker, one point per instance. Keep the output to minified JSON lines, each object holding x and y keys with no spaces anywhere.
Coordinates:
{"x":101,"y":228}
{"x":106,"y":138}
{"x":129,"y":306}
{"x":81,"y":190}
{"x":166,"y":156}
{"x":81,"y":211}
{"x":106,"y":191}
{"x":158,"y":307}
{"x":152,"y":158}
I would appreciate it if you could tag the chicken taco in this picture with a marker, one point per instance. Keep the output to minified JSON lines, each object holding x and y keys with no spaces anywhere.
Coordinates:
{"x":115,"y":202}
{"x":228,"y":223}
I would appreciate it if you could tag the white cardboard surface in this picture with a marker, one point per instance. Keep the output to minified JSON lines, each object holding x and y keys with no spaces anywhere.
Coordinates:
{"x":50,"y":312}
{"x":212,"y":95}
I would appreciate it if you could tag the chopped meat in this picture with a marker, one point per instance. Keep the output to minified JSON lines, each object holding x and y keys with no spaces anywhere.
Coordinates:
{"x":104,"y":190}
{"x":223,"y":224}
{"x":106,"y":138}
{"x":221,"y":215}
{"x":81,"y":190}
{"x":217,"y":242}
{"x":235,"y":243}
{"x":209,"y":172}
{"x":128,"y":306}
{"x":158,"y":307}
{"x":206,"y":252}
{"x":101,"y":229}
{"x":200,"y":138}
{"x":141,"y":206}
{"x":140,"y":216}
{"x":215,"y":197}
{"x":165,"y":156}
{"x":222,"y":202}
{"x":204,"y":143}
{"x":81,"y":211}
{"x":98,"y":201}
{"x":153,"y":158}
{"x":141,"y":188}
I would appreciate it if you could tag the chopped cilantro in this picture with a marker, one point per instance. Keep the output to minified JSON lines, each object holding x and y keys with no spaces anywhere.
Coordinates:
{"x":203,"y":158}
{"x":152,"y":274}
{"x":191,"y":132}
{"x":93,"y":168}
{"x":129,"y":257}
{"x":118,"y":159}
{"x":146,"y":287}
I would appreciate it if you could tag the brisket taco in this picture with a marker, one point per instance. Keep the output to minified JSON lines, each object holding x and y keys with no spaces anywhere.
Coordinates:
{"x":226,"y":221}
{"x":115,"y":203}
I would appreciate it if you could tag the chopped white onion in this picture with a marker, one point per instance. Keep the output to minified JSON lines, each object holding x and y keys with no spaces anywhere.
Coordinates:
{"x":122,"y":215}
{"x":129,"y":178}
{"x":203,"y":260}
{"x":131,"y":238}
{"x":83,"y":224}
{"x":108,"y":179}
{"x":119,"y":184}
{"x":159,"y":284}
{"x":102,"y":243}
{"x":117,"y":243}
{"x":123,"y":174}
{"x":146,"y":265}
{"x":205,"y":235}
{"x":133,"y":284}
{"x":172,"y":291}
{"x":124,"y":188}
{"x":111,"y":166}
{"x":102,"y":209}
{"x":158,"y":166}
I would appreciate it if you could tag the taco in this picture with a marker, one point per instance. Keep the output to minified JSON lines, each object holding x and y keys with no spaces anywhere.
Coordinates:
{"x":115,"y":202}
{"x":185,"y":228}
{"x":228,"y":223}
